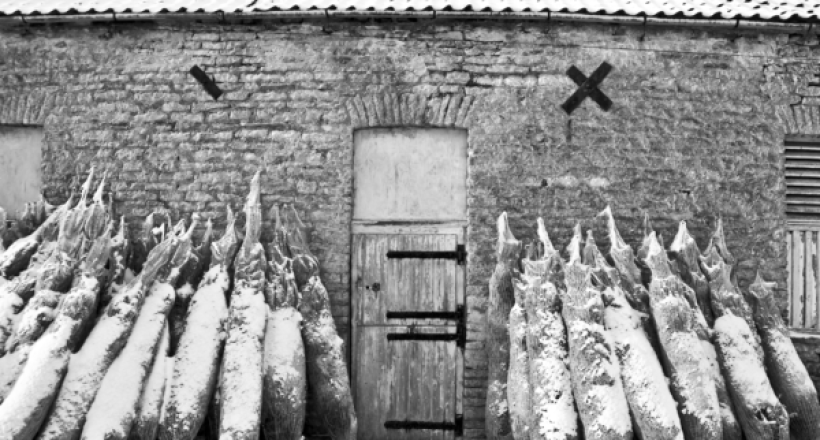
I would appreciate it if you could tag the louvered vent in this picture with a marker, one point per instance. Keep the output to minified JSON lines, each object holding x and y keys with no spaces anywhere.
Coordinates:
{"x":802,"y":171}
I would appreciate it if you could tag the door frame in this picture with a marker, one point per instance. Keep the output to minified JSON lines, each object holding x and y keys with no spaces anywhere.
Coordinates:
{"x":457,"y":228}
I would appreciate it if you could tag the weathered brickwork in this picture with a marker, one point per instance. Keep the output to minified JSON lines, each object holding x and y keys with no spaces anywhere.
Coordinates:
{"x":808,"y":346}
{"x":695,"y":132}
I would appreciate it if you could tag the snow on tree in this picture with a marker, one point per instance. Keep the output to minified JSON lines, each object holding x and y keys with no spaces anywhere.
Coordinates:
{"x":88,"y":367}
{"x":195,"y":368}
{"x":553,"y":414}
{"x":148,"y":410}
{"x":497,"y":411}
{"x":760,"y":413}
{"x":789,"y":378}
{"x":518,"y":384}
{"x":285,"y":375}
{"x":594,"y":367}
{"x":686,"y":255}
{"x":324,"y":354}
{"x":653,"y":409}
{"x":114,"y":409}
{"x":241,"y":382}
{"x":27,"y":405}
{"x":727,"y":298}
{"x":692,"y":384}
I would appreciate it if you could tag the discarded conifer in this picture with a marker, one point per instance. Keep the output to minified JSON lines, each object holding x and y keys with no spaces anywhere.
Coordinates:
{"x":285,"y":375}
{"x":653,"y":409}
{"x":518,"y":384}
{"x":497,"y":412}
{"x":553,"y":407}
{"x":241,"y":383}
{"x":148,"y":410}
{"x":115,"y":406}
{"x":195,"y":370}
{"x":88,"y":366}
{"x":692,"y":383}
{"x":789,"y":378}
{"x":686,"y":254}
{"x":596,"y":376}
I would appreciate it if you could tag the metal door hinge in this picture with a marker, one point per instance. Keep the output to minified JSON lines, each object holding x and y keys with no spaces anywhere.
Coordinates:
{"x":460,"y":255}
{"x":460,"y":336}
{"x":457,"y":426}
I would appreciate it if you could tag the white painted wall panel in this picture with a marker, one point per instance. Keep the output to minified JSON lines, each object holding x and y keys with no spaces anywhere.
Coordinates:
{"x":20,"y":156}
{"x":410,"y":174}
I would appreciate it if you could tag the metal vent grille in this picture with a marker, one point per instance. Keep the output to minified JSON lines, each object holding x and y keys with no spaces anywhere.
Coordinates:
{"x":802,"y":170}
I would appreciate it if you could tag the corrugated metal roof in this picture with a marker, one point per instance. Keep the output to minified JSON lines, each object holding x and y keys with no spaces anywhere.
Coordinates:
{"x":754,"y":9}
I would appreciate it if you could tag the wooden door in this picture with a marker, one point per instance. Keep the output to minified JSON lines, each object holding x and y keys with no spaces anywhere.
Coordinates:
{"x":803,"y":240}
{"x":408,"y":333}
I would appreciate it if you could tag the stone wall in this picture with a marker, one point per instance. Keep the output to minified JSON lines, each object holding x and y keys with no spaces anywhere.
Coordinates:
{"x":695,"y":132}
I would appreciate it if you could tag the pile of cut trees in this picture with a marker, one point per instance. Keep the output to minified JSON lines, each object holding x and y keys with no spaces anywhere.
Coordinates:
{"x":659,"y":346}
{"x":102,"y":337}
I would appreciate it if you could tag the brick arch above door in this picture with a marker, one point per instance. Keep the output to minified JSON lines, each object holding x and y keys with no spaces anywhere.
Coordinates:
{"x":409,"y":109}
{"x":801,"y":119}
{"x":30,"y":108}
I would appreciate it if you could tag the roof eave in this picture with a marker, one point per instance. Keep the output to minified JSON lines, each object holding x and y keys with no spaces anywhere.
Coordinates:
{"x":324,"y":14}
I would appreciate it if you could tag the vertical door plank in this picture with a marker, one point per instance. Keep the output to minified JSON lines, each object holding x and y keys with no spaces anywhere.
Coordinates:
{"x":357,"y":264}
{"x":790,"y":274}
{"x":798,"y":261}
{"x":816,"y":267}
{"x":372,"y":390}
{"x":809,"y":294}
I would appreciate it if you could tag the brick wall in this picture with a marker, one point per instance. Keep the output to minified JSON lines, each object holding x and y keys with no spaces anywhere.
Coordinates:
{"x":695,"y":131}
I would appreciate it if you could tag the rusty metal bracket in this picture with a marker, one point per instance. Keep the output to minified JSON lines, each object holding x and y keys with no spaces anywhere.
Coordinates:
{"x":460,"y":336}
{"x":460,"y":255}
{"x":457,"y":425}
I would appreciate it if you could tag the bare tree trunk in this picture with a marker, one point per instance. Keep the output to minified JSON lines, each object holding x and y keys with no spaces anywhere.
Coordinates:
{"x":692,"y":383}
{"x":596,"y":375}
{"x":497,"y":412}
{"x":788,"y":375}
